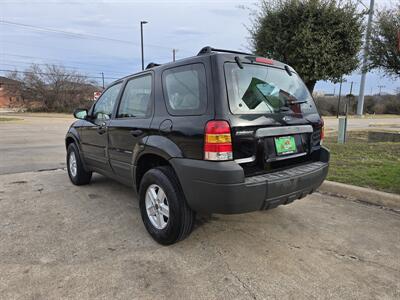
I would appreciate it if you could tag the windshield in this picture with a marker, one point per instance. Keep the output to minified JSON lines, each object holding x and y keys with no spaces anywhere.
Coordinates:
{"x":257,"y":89}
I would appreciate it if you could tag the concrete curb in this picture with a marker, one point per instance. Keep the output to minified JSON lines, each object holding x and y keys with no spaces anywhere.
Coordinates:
{"x":359,"y":193}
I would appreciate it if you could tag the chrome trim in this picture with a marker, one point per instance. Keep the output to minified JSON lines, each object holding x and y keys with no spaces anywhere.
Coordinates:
{"x":244,"y":133}
{"x":283,"y":130}
{"x":245,"y":160}
{"x":286,"y":157}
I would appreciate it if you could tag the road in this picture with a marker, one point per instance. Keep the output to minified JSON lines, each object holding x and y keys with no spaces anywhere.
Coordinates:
{"x":33,"y":142}
{"x":367,"y":123}
{"x":61,"y":241}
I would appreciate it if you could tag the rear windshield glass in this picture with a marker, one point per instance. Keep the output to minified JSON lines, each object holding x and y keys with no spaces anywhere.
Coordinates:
{"x":257,"y":89}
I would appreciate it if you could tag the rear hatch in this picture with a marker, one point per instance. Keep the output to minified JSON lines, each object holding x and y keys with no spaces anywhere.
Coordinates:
{"x":274,"y":121}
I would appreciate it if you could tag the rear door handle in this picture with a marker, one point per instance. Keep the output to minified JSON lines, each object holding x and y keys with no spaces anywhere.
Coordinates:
{"x":101,"y":130}
{"x":136,"y":132}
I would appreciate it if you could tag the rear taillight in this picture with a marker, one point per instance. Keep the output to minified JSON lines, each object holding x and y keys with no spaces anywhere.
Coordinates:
{"x":218,"y":142}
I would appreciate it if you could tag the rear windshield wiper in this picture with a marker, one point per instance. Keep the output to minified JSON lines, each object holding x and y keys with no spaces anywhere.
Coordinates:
{"x":239,"y":62}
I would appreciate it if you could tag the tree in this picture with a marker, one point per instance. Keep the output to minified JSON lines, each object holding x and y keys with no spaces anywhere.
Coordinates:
{"x":319,"y":38}
{"x":53,"y":88}
{"x":384,"y":51}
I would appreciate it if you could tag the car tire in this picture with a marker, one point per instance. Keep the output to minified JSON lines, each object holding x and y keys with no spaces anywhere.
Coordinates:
{"x":76,"y":171}
{"x":179,"y":222}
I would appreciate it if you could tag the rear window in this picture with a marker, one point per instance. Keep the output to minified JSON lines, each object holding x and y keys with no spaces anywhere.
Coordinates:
{"x":135,"y":102}
{"x":185,"y":90}
{"x":257,"y":89}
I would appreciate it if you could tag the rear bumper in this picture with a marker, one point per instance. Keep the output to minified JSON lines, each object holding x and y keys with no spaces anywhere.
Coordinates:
{"x":221,"y":187}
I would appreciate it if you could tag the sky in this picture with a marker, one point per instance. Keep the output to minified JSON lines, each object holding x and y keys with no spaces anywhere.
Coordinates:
{"x":104,"y":36}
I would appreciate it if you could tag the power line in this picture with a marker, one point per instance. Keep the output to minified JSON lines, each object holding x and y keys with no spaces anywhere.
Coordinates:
{"x":86,"y":66}
{"x":68,"y":33}
{"x":47,"y":73}
{"x":362,"y":3}
{"x":16,"y":63}
{"x":76,"y":35}
{"x":52,"y":59}
{"x":60,"y":62}
{"x":18,"y":84}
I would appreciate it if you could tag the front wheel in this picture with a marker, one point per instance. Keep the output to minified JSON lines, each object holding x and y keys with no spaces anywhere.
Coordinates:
{"x":165,"y":213}
{"x":76,"y":172}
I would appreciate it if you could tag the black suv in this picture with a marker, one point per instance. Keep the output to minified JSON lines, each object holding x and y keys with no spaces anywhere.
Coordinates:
{"x":221,"y":132}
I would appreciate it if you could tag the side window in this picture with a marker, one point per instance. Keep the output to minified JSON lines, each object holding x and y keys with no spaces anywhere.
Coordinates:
{"x":135,"y":100}
{"x":104,"y":106}
{"x":185,"y":90}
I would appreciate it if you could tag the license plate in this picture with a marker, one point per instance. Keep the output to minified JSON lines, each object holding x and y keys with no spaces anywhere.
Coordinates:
{"x":285,"y":145}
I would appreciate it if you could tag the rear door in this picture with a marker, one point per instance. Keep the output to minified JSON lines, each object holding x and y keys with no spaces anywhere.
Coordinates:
{"x":130,"y":127}
{"x":94,"y":132}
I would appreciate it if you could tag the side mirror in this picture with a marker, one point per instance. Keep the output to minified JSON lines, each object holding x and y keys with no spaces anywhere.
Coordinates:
{"x":80,"y":113}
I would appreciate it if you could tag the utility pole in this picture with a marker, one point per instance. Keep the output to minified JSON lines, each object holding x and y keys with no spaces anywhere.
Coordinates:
{"x":380,"y":88}
{"x":102,"y":76}
{"x":141,"y":41}
{"x":351,"y":87}
{"x":360,"y":104}
{"x":174,"y":54}
{"x":350,"y":96}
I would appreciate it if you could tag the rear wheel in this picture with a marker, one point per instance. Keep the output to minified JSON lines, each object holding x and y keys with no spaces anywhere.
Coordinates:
{"x":165,"y":213}
{"x":76,"y":172}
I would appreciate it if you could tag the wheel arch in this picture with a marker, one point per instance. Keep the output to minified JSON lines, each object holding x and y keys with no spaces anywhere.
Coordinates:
{"x":145,"y":162}
{"x":72,"y":137}
{"x":158,"y":151}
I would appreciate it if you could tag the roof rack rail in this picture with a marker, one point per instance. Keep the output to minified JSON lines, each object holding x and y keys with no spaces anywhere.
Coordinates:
{"x":152,"y":65}
{"x":208,"y":49}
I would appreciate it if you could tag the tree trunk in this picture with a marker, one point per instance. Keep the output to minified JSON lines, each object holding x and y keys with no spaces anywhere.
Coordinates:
{"x":310,"y":85}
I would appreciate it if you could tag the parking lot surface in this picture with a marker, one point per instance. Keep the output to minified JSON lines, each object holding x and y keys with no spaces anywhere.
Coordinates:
{"x":60,"y":241}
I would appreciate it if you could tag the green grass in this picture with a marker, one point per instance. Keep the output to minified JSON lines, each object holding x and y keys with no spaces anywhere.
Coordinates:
{"x":358,"y":162}
{"x":3,"y":119}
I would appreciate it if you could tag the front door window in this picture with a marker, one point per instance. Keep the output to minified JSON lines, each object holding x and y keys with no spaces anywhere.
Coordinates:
{"x":104,"y":106}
